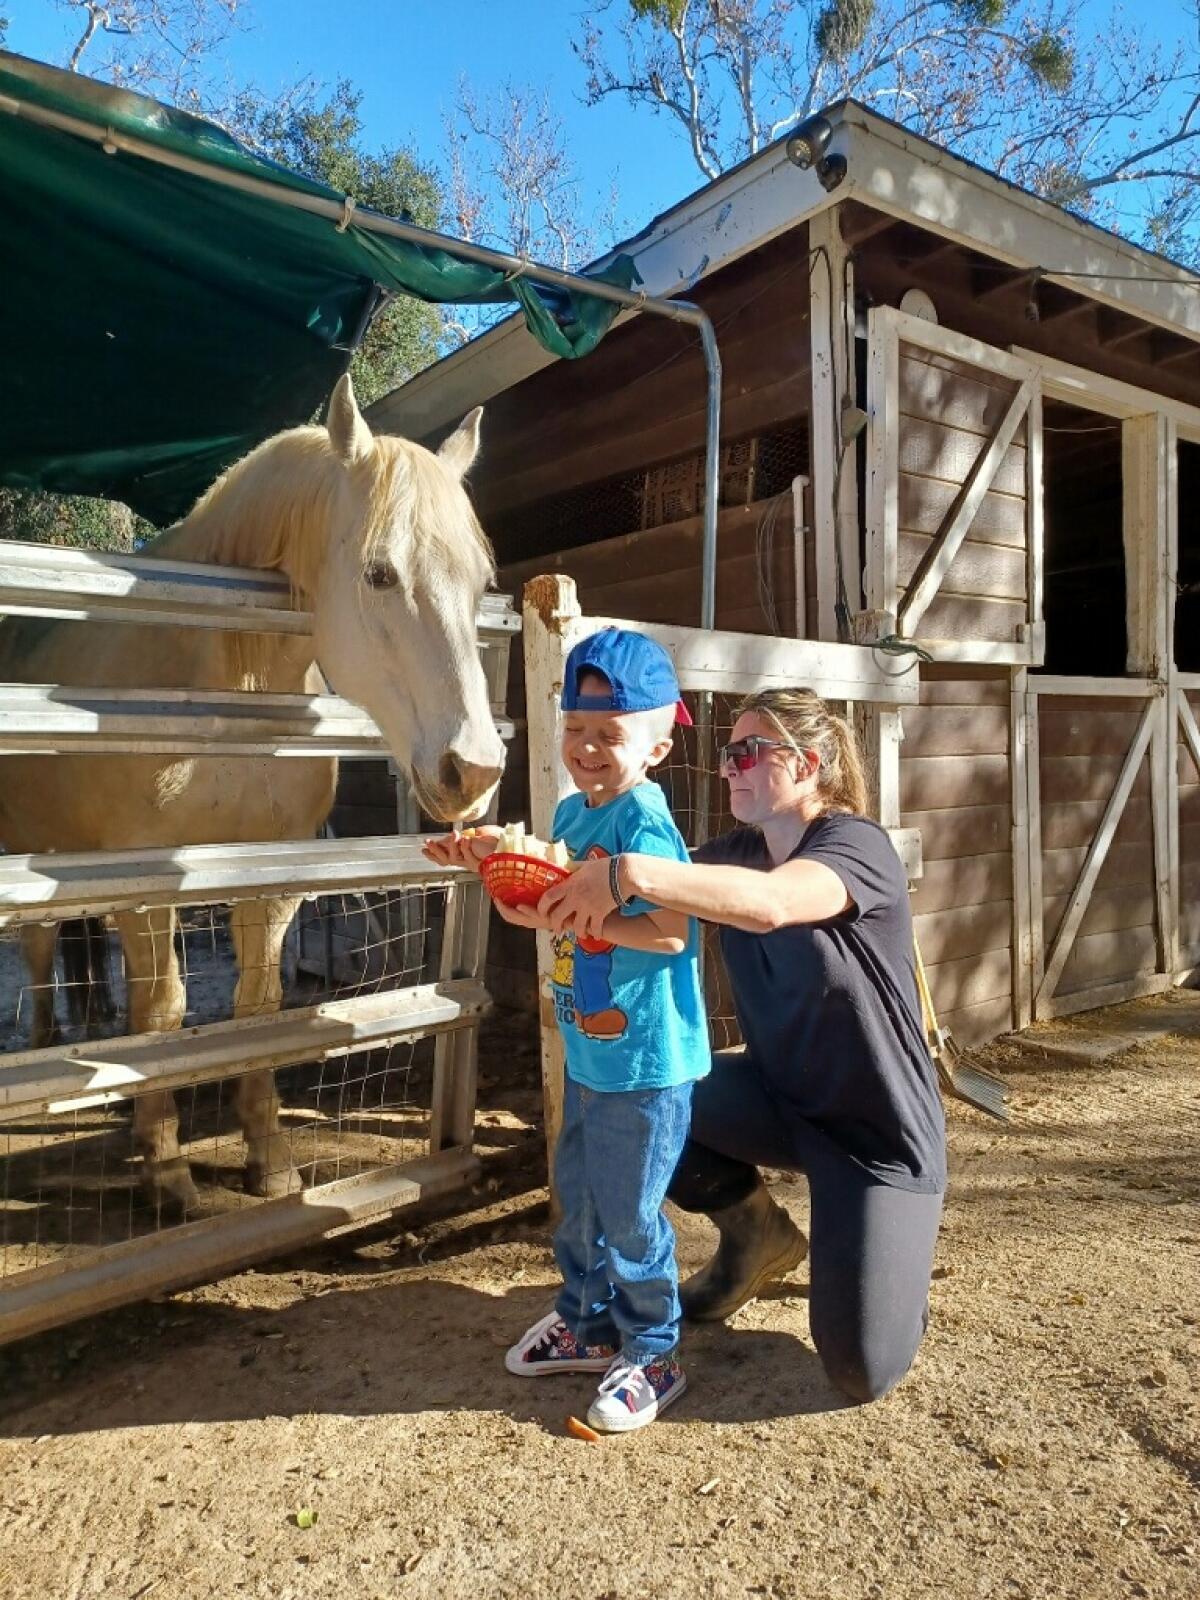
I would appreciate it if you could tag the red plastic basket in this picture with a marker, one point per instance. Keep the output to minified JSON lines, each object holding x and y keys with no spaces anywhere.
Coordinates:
{"x":518,"y":880}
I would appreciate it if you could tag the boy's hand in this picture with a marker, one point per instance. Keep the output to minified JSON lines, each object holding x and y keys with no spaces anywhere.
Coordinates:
{"x":523,"y":916}
{"x":462,"y":849}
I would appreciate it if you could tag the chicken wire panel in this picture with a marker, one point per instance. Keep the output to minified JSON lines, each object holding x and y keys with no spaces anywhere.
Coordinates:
{"x":751,"y":469}
{"x":76,"y":1178}
{"x":699,"y":802}
{"x":330,"y":947}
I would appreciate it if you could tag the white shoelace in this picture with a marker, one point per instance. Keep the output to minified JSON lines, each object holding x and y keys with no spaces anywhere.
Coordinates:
{"x":625,"y":1375}
{"x":541,"y":1334}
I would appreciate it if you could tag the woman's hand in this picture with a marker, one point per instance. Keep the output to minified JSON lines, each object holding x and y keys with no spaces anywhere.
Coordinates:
{"x":582,"y":903}
{"x":462,"y":850}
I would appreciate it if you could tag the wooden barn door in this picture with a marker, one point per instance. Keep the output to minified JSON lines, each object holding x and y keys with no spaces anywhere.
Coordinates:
{"x":954,"y":536}
{"x":1099,"y":842}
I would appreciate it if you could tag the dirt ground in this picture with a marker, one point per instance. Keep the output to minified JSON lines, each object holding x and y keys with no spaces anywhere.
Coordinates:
{"x":1046,"y":1444}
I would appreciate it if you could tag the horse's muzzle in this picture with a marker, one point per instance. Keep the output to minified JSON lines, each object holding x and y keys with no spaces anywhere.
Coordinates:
{"x":463,"y":791}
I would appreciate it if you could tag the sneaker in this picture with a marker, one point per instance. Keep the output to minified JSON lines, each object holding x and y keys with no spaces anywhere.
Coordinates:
{"x":632,"y":1396}
{"x":550,"y":1346}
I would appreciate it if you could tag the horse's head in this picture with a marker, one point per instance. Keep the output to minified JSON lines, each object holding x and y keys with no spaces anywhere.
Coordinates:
{"x":395,"y":604}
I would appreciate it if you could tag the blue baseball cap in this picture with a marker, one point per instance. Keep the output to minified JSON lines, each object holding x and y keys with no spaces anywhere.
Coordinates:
{"x":640,"y":673}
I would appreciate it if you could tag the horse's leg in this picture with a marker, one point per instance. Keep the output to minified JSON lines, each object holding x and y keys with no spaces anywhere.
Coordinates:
{"x":101,"y":1007}
{"x":37,"y":946}
{"x":156,"y":1002}
{"x":258,"y":928}
{"x":76,"y":970}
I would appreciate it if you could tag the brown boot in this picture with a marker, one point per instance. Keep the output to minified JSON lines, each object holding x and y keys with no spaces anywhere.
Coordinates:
{"x":759,"y":1243}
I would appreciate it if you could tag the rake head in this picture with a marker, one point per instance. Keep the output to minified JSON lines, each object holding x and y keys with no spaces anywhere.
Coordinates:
{"x":960,"y":1078}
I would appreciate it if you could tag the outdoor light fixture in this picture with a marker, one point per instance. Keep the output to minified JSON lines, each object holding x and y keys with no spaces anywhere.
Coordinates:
{"x":806,"y":146}
{"x":830,"y":171}
{"x":808,"y":142}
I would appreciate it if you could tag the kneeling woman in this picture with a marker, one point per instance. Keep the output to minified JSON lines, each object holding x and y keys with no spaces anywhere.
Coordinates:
{"x":836,"y":1080}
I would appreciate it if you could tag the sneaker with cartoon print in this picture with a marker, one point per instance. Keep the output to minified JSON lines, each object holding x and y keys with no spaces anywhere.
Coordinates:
{"x":631,"y":1396}
{"x":550,"y":1346}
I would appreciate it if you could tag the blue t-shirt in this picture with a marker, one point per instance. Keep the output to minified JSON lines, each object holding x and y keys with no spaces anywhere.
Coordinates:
{"x":629,"y":1019}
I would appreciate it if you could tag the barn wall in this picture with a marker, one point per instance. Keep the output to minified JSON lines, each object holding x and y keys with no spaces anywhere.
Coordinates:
{"x":955,"y":787}
{"x":564,"y":451}
{"x":950,"y":412}
{"x":1082,"y":747}
{"x":1189,"y":852}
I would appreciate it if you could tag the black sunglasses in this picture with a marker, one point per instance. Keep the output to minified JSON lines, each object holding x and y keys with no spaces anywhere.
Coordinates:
{"x":744,"y":753}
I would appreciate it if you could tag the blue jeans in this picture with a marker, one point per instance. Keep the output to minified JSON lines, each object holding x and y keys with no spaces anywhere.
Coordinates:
{"x":614,"y":1247}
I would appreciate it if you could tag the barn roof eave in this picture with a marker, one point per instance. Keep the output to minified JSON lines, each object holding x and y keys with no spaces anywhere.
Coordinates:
{"x":890,"y":169}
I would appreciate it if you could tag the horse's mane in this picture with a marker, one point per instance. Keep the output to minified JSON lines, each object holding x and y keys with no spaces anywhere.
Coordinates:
{"x":275,"y":507}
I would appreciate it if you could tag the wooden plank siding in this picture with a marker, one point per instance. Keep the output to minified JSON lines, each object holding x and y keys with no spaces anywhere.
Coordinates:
{"x":1082,"y":745}
{"x":1189,"y":850}
{"x":955,"y":787}
{"x":640,"y":398}
{"x":950,"y":411}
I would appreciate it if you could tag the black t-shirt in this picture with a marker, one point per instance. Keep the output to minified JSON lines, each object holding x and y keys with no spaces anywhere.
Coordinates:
{"x":830,"y":1012}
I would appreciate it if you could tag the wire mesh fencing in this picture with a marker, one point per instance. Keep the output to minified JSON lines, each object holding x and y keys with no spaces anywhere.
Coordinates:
{"x":116,"y":1165}
{"x":699,"y":802}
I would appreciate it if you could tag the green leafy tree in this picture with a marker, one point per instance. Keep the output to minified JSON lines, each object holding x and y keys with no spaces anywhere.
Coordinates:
{"x":1094,"y":118}
{"x":322,"y":138}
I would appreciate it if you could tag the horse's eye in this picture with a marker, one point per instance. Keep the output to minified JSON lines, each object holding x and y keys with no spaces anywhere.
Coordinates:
{"x":381,"y":575}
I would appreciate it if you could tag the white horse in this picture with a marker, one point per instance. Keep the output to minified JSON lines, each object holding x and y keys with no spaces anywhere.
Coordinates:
{"x":381,"y":544}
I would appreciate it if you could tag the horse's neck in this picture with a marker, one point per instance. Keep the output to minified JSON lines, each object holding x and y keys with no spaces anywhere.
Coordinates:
{"x":265,"y":661}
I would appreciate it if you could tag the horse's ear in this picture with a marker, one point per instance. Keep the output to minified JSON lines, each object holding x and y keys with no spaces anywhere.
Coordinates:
{"x":349,"y":435}
{"x":461,"y":448}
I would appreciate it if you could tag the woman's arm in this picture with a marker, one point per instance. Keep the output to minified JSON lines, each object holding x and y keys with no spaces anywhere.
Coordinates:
{"x":739,"y":897}
{"x":661,"y":933}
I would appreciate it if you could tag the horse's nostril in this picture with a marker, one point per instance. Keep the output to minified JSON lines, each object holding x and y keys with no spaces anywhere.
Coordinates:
{"x":464,"y":780}
{"x":450,"y":773}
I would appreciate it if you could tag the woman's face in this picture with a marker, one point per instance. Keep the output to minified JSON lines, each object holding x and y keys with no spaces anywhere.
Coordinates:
{"x":780,"y":781}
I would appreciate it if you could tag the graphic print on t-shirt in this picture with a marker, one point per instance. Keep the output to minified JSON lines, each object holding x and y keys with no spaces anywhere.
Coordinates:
{"x":583,"y":995}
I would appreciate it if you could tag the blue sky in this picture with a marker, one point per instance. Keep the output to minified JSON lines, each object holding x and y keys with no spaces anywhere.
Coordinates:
{"x":407,"y":56}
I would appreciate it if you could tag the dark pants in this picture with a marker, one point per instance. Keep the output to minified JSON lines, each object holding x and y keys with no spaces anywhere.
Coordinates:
{"x":871,"y":1244}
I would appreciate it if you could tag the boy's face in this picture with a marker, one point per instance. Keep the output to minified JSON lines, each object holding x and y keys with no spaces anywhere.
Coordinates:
{"x":609,"y":752}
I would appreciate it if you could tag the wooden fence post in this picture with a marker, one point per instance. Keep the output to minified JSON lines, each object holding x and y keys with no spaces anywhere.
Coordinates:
{"x":551,"y":625}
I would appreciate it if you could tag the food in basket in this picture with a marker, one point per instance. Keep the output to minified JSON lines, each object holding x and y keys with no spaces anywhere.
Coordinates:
{"x":522,"y":866}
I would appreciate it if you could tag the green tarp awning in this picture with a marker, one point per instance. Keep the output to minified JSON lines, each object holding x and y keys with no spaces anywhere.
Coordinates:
{"x":158,"y":324}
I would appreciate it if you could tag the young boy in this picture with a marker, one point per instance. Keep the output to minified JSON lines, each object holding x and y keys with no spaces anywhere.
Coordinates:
{"x":636,"y":1038}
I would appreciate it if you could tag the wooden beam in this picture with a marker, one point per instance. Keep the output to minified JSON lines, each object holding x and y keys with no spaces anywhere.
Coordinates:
{"x":1169,"y":349}
{"x":1095,"y":859}
{"x":883,"y":464}
{"x":40,"y":718}
{"x":1164,"y":804}
{"x":1039,"y":683}
{"x":1114,"y":328}
{"x":709,"y":661}
{"x":989,"y":278}
{"x":1144,"y":525}
{"x":38,"y":888}
{"x":936,"y":561}
{"x":31,"y":1081}
{"x":551,"y":624}
{"x":834,"y":464}
{"x":91,"y":585}
{"x":860,"y":223}
{"x":1109,"y":994}
{"x":1023,"y":908}
{"x":193,"y":1252}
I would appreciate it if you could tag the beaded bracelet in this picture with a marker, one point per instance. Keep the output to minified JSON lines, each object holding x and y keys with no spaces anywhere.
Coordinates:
{"x":614,"y":882}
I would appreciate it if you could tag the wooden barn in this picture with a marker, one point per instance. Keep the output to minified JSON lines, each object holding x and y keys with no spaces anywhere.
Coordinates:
{"x":958,"y":424}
